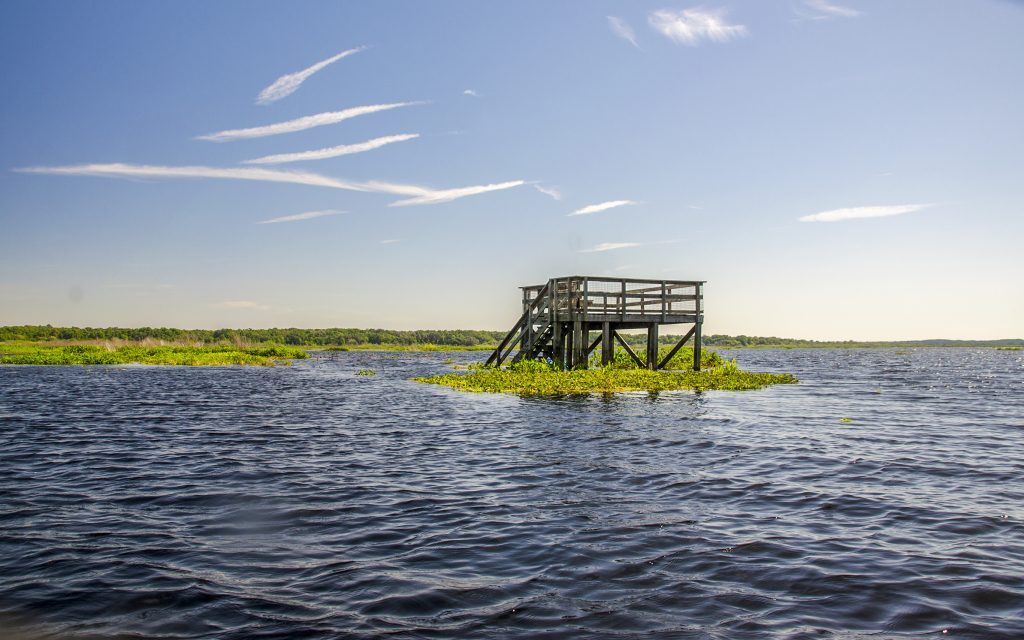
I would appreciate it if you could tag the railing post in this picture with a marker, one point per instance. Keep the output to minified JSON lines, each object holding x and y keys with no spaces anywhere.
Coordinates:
{"x":664,"y":302}
{"x":622,"y":300}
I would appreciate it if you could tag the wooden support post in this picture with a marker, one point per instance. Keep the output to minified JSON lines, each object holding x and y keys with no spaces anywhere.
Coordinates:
{"x":696,"y":333}
{"x":577,"y":343}
{"x":558,"y":345}
{"x":696,"y":345}
{"x":652,"y":346}
{"x":607,"y":345}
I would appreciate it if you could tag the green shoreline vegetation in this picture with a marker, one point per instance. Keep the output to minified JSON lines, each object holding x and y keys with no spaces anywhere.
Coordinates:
{"x":531,"y":378}
{"x":419,"y":340}
{"x":45,"y":344}
{"x":212,"y":355}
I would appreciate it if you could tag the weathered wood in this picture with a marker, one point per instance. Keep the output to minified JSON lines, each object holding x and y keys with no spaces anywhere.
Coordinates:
{"x":676,"y":348}
{"x":652,"y":347}
{"x":625,"y":346}
{"x":558,"y":317}
{"x":557,"y":345}
{"x":607,"y":344}
{"x":696,"y":334}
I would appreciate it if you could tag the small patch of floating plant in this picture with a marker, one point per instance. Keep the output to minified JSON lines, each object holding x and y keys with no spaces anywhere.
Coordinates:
{"x":366,"y":372}
{"x":534,"y":378}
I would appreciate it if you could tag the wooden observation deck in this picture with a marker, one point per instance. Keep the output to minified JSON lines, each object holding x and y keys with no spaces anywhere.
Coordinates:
{"x":558,"y":318}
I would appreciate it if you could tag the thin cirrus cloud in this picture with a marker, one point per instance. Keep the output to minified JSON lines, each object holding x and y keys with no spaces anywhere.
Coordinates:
{"x":552,"y":192}
{"x":301,"y":124}
{"x":333,"y":152}
{"x":422,"y":195}
{"x":242,"y":304}
{"x":419,"y":195}
{"x":851,"y":213}
{"x":691,"y":26}
{"x":308,"y":215}
{"x":622,"y":29}
{"x":610,"y":246}
{"x":288,"y":83}
{"x":602,"y":206}
{"x":827,"y":10}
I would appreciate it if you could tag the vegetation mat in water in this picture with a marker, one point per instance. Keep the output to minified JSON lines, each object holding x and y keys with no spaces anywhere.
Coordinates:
{"x":539,"y":378}
{"x":35,"y":354}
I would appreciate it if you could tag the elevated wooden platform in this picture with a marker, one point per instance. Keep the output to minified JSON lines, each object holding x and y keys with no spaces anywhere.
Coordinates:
{"x":559,"y":316}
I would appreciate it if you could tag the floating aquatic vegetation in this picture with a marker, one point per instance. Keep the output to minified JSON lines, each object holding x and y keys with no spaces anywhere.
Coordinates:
{"x":41,"y":354}
{"x":540,"y":378}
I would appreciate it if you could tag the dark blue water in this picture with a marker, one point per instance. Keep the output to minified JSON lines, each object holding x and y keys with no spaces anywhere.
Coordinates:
{"x":309,"y":502}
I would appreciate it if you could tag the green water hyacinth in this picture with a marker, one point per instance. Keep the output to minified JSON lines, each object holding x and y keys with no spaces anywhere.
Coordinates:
{"x":533,"y":378}
{"x":160,"y":355}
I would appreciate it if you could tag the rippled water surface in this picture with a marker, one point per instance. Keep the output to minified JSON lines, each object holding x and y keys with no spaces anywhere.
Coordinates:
{"x":309,"y":502}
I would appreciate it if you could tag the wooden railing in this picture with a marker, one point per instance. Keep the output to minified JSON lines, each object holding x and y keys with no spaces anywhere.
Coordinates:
{"x":585,"y":295}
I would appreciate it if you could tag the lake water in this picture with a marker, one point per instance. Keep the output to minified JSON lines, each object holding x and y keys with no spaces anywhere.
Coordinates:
{"x":308,"y":502}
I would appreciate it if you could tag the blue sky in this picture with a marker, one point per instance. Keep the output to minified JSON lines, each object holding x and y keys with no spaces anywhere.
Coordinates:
{"x":833,"y":169}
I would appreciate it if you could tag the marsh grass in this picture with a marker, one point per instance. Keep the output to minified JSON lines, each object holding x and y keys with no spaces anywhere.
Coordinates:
{"x":138,"y":353}
{"x":533,"y":378}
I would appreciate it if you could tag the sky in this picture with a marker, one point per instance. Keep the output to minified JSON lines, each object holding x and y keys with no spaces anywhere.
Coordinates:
{"x":833,"y":170}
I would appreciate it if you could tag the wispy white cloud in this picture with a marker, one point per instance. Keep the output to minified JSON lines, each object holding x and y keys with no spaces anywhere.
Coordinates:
{"x":471,"y":92}
{"x":690,"y":26}
{"x":308,"y":215}
{"x":828,"y":10}
{"x":436,"y":196}
{"x":420,"y":195}
{"x":850,"y":213}
{"x":333,"y":152}
{"x":241,"y":304}
{"x":301,"y":124}
{"x":603,"y":206}
{"x":622,"y":29}
{"x":390,"y":241}
{"x":552,"y":192}
{"x":610,"y":246}
{"x":287,"y":84}
{"x":121,"y":170}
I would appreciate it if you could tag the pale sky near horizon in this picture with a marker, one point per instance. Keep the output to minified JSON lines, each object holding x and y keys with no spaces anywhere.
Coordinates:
{"x":834,"y":169}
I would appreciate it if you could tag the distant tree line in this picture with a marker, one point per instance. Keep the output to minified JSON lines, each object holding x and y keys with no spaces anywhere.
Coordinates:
{"x":442,"y":337}
{"x":317,"y":337}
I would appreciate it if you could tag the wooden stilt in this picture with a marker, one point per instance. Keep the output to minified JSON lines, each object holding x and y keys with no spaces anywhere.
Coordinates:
{"x":558,"y":346}
{"x":696,"y":345}
{"x":607,"y":345}
{"x":652,"y":347}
